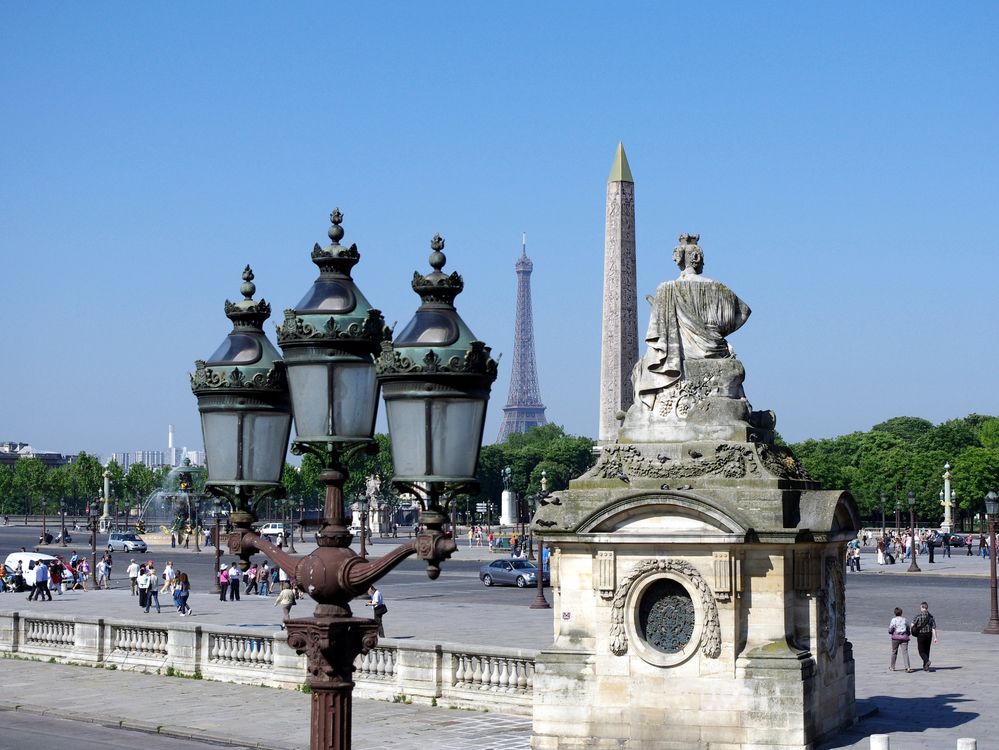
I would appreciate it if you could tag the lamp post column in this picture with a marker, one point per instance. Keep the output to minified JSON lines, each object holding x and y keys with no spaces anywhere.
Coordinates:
{"x":913,"y":567}
{"x":883,"y":500}
{"x":991,"y":508}
{"x":93,"y":548}
{"x":217,"y":587}
{"x":62,"y":511}
{"x":948,"y":520}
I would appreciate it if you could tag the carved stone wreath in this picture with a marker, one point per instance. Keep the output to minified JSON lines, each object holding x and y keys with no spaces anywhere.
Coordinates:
{"x":711,"y":632}
{"x":832,"y":613}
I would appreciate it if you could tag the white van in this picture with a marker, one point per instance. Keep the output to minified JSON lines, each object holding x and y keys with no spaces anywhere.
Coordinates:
{"x":25,"y":559}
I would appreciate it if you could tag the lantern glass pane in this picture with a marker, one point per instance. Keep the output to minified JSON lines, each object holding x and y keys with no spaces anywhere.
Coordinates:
{"x":355,"y":398}
{"x":237,"y":349}
{"x":409,"y":452}
{"x":265,"y":441}
{"x":327,"y":296}
{"x":310,"y":399}
{"x":456,"y":427}
{"x":221,"y":432}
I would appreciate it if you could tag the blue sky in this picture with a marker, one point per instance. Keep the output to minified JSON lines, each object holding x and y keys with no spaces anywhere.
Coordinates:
{"x":840,"y":162}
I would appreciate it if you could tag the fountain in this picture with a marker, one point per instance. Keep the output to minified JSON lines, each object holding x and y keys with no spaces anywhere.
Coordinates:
{"x":179,"y":507}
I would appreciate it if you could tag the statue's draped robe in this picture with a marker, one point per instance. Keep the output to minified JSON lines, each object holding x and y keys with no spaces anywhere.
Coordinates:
{"x":689,"y":320}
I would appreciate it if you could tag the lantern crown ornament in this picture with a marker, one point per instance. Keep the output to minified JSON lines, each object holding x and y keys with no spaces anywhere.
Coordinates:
{"x":329,"y":341}
{"x":435,"y":379}
{"x":242,"y":393}
{"x":333,"y":309}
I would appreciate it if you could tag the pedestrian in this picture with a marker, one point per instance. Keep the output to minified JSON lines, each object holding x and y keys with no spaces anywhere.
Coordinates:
{"x":132,"y":571}
{"x":84,"y":570}
{"x":286,"y":598}
{"x":924,"y":627}
{"x":55,"y":576}
{"x":932,"y":539}
{"x":881,"y":551}
{"x":968,"y":541}
{"x":471,"y":536}
{"x":263,"y":579}
{"x":109,"y":564}
{"x":251,"y":580}
{"x":223,"y":582}
{"x":898,"y":628}
{"x":235,"y":578}
{"x":181,"y":593}
{"x":153,"y":592}
{"x":168,"y":577}
{"x":981,"y":544}
{"x":946,"y":544}
{"x":102,"y":574}
{"x":142,"y":584}
{"x":378,"y":608}
{"x":74,"y":559}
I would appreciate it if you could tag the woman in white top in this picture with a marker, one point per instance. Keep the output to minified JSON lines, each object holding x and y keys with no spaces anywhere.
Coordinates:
{"x":898,"y":629}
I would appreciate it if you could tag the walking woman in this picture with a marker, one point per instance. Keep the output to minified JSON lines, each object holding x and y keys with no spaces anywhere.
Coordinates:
{"x":181,"y":592}
{"x":898,"y":628}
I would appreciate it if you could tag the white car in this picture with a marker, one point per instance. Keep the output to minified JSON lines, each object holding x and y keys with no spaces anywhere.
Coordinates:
{"x":356,"y":531}
{"x":274,"y":532}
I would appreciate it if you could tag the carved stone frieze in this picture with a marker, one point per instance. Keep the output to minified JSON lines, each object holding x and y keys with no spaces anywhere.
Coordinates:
{"x":727,"y":461}
{"x":710,"y":637}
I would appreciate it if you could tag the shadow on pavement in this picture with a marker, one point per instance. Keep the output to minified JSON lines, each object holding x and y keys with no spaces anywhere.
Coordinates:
{"x":888,"y":714}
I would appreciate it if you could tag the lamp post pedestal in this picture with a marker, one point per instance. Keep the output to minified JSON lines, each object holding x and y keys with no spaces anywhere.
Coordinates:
{"x":330,"y":645}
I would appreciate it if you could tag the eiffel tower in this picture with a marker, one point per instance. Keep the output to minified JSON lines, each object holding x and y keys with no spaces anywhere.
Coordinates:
{"x":523,"y":409}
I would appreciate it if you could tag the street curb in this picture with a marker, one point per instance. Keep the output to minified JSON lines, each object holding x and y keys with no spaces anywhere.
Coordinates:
{"x":177,"y":732}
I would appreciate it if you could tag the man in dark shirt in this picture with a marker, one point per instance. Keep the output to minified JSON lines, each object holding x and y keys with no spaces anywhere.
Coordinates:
{"x":924,"y":627}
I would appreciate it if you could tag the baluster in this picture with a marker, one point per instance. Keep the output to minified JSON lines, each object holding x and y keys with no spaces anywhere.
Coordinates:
{"x":476,"y":671}
{"x":530,"y":676}
{"x":381,"y":662}
{"x":504,"y":676}
{"x":392,"y":655}
{"x":494,"y":674}
{"x":522,"y":676}
{"x":458,"y":669}
{"x":269,"y":651}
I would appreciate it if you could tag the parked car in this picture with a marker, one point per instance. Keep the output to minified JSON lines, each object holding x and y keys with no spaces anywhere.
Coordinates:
{"x":275,"y":532}
{"x":520,"y":573}
{"x":356,"y":531}
{"x":126,"y":541}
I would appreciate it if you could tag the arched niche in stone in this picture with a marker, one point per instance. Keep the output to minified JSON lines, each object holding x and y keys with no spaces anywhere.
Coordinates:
{"x":669,"y":516}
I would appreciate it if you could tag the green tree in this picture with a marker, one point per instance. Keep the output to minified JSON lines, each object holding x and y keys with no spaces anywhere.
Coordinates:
{"x":988,"y":433}
{"x":87,"y":479}
{"x":905,"y":428}
{"x":950,"y":437}
{"x":7,"y":499}
{"x":30,"y":485}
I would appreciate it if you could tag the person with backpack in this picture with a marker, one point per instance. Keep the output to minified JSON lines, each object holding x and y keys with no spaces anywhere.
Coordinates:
{"x":223,"y":582}
{"x":898,"y":629}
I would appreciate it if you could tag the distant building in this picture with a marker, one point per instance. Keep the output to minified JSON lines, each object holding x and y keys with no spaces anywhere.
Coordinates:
{"x":11,"y":451}
{"x":152,"y":459}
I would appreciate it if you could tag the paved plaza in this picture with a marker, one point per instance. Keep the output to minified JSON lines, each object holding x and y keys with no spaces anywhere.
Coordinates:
{"x":921,"y":711}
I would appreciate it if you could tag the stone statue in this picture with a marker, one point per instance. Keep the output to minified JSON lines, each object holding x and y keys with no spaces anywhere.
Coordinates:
{"x":688,"y":384}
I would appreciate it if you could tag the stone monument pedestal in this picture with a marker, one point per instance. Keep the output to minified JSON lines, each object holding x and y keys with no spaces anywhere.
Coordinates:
{"x":697,"y":605}
{"x":508,"y":508}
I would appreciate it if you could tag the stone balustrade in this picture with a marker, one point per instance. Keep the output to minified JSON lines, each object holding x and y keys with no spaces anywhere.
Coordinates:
{"x":472,"y":677}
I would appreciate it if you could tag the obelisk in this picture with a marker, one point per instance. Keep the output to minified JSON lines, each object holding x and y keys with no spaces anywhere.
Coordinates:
{"x":619,"y":334}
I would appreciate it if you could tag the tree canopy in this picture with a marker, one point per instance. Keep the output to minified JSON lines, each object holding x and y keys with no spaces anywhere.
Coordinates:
{"x":906,"y":454}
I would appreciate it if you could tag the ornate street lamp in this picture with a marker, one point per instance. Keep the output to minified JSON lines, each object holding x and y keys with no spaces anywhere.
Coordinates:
{"x":436,"y":379}
{"x":884,"y":499}
{"x":991,"y":509}
{"x":913,"y":567}
{"x":329,"y":344}
{"x":242,"y":395}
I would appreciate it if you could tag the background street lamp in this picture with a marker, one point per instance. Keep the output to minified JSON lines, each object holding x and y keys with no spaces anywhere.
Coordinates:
{"x":991,"y":509}
{"x":898,"y":517}
{"x":62,"y":512}
{"x":913,"y":567}
{"x":884,"y":499}
{"x":436,"y":380}
{"x":539,"y":600}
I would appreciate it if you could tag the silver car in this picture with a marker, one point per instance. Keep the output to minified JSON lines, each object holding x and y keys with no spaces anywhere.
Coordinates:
{"x":520,"y":573}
